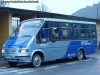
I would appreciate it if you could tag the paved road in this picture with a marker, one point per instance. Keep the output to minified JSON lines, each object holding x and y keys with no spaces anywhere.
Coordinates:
{"x":91,"y":66}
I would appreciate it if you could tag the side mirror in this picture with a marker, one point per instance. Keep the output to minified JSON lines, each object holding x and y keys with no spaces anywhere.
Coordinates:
{"x":53,"y":40}
{"x":43,"y":40}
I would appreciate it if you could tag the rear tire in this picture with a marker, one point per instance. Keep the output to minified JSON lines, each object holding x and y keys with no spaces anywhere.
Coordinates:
{"x":80,"y":55}
{"x":36,"y":60}
{"x":13,"y":64}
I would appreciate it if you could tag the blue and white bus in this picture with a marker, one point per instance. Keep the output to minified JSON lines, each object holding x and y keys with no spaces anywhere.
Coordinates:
{"x":46,"y":39}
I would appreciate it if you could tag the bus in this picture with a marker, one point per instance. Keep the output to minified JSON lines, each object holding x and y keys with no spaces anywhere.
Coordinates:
{"x":39,"y":40}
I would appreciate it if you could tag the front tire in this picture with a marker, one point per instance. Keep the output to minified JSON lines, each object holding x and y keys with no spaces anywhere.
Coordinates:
{"x":36,"y":61}
{"x":13,"y":64}
{"x":80,"y":55}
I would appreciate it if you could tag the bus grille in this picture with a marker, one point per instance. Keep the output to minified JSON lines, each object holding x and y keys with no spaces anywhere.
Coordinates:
{"x":10,"y":50}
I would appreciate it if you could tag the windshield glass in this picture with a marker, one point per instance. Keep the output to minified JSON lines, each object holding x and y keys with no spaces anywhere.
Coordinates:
{"x":27,"y":28}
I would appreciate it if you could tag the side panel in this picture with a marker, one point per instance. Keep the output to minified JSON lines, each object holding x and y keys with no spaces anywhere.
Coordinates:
{"x":53,"y":50}
{"x":67,"y":49}
{"x":89,"y":47}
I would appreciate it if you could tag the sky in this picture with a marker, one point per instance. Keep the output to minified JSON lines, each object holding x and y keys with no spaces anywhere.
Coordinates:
{"x":66,"y":7}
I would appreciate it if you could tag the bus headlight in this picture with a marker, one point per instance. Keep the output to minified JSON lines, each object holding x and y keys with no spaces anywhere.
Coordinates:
{"x":2,"y":51}
{"x":23,"y":50}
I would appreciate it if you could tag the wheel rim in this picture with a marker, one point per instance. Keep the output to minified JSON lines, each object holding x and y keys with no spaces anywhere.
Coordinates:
{"x":80,"y":55}
{"x":37,"y":61}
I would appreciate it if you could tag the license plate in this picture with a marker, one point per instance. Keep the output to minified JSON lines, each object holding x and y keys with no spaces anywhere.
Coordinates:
{"x":8,"y":57}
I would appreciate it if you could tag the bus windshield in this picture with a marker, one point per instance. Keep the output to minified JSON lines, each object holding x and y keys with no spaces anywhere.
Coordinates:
{"x":27,"y":28}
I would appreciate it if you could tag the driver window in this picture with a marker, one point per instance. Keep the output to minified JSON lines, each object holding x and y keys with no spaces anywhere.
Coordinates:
{"x":44,"y":34}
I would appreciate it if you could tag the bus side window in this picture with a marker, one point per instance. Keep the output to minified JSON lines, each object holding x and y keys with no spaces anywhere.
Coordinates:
{"x":94,"y":33}
{"x":45,"y":33}
{"x":70,"y":31}
{"x":66,"y":31}
{"x":82,"y":33}
{"x":79,"y":31}
{"x":76,"y":31}
{"x":90,"y":31}
{"x":54,"y":31}
{"x":38,"y":37}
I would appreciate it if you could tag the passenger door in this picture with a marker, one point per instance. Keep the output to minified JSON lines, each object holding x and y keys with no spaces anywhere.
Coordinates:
{"x":43,"y":42}
{"x":54,"y":38}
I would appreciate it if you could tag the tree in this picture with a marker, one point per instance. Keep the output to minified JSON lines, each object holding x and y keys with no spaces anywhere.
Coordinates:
{"x":42,"y":7}
{"x":3,"y":4}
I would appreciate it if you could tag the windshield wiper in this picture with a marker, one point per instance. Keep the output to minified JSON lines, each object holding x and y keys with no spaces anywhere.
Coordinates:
{"x":26,"y":36}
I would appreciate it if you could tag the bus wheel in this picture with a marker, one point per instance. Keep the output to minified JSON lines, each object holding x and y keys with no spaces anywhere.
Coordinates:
{"x":80,"y":55}
{"x":12,"y":63}
{"x":36,"y":61}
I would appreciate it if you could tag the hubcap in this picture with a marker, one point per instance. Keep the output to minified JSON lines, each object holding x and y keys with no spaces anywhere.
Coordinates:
{"x":80,"y":55}
{"x":37,"y":61}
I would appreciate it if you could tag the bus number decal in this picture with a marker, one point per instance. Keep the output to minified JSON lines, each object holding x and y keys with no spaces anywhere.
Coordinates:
{"x":86,"y":43}
{"x":72,"y":54}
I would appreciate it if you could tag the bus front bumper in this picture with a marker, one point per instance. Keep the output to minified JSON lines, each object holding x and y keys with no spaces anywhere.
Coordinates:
{"x":16,"y":58}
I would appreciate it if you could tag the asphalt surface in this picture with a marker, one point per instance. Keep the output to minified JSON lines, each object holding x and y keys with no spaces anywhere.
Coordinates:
{"x":90,"y":66}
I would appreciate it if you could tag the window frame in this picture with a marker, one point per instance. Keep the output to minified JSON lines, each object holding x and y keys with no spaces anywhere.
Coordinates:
{"x":51,"y":33}
{"x":82,"y":27}
{"x":94,"y":30}
{"x":61,"y":27}
{"x":60,"y":30}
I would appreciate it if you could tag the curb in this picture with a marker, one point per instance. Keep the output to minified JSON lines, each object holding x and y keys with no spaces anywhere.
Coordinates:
{"x":3,"y":64}
{"x":97,"y":52}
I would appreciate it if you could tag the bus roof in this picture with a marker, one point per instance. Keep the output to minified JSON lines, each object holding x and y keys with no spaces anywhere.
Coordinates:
{"x":63,"y":20}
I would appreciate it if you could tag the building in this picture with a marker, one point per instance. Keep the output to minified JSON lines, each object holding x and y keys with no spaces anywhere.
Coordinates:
{"x":7,"y":13}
